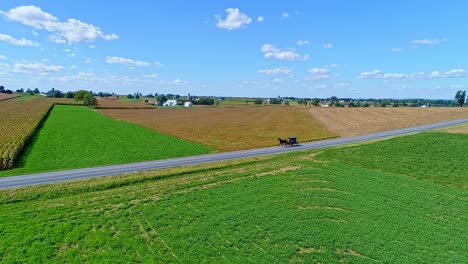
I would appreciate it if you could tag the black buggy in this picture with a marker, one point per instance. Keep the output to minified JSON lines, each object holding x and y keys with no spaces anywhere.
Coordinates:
{"x":292,"y":141}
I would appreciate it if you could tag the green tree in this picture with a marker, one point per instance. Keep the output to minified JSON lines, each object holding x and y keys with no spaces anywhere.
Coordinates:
{"x":69,"y":95}
{"x":460,"y":97}
{"x":316,"y":102}
{"x":89,"y":100}
{"x":258,"y":101}
{"x":2,"y":89}
{"x":79,"y":95}
{"x":36,"y":90}
{"x":161,"y":98}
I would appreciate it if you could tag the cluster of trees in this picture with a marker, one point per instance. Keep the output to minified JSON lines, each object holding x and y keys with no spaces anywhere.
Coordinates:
{"x":3,"y":90}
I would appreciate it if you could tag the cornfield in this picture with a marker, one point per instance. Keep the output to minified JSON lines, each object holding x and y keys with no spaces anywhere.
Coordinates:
{"x":18,"y":122}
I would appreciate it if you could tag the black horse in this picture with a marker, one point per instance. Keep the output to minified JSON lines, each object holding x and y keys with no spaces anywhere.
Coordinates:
{"x":283,"y":142}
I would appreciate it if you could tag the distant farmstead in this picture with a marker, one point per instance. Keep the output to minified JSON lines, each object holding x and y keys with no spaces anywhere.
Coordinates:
{"x":188,"y":104}
{"x":170,"y":103}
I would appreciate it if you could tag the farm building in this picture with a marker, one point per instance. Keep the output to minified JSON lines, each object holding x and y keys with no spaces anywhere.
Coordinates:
{"x":188,"y":104}
{"x":170,"y":103}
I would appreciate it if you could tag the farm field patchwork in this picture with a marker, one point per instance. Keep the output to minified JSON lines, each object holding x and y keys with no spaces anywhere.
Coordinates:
{"x":296,"y":207}
{"x":229,"y":129}
{"x":76,"y":137}
{"x":357,"y":121}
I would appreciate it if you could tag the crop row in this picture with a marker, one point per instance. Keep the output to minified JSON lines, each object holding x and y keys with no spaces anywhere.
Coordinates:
{"x":18,"y":122}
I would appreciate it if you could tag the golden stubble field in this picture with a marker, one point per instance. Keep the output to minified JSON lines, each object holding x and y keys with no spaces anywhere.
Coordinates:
{"x":228,"y":129}
{"x":460,"y":129}
{"x":357,"y":121}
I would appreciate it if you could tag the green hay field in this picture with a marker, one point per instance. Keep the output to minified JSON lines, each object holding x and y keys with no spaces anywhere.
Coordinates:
{"x":307,"y":207}
{"x":78,"y":137}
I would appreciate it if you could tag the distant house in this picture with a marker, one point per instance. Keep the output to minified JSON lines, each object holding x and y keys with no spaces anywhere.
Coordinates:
{"x":170,"y":103}
{"x":188,"y":104}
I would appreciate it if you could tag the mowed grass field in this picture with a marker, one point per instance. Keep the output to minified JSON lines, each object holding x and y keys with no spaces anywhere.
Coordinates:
{"x":77,"y":137}
{"x":229,"y":129}
{"x":327,"y":207}
{"x":357,"y":121}
{"x":124,"y":103}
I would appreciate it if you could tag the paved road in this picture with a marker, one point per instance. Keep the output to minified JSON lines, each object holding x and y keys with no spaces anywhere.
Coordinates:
{"x":59,"y":176}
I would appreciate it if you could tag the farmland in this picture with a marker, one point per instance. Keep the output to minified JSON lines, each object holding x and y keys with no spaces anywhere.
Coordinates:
{"x":463,"y":129}
{"x":86,"y":138}
{"x":228,"y":129}
{"x":4,"y":96}
{"x":19,"y":121}
{"x":357,"y":121}
{"x":298,"y":207}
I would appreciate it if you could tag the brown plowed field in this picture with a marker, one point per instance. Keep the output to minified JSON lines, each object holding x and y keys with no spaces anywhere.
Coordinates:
{"x":228,"y":129}
{"x":4,"y":96}
{"x":357,"y":121}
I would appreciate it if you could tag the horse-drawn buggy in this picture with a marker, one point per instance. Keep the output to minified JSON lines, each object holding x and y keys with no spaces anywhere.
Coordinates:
{"x":291,"y":141}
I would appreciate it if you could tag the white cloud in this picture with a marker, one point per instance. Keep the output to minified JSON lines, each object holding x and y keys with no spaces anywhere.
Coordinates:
{"x":179,"y":82}
{"x":376,"y":74}
{"x":456,"y":73}
{"x":35,"y":68}
{"x":285,"y":15}
{"x":277,"y":80}
{"x":302,"y":42}
{"x":91,"y":46}
{"x":318,"y":74}
{"x":125,"y":61}
{"x":396,"y":49}
{"x":157,"y":63}
{"x":18,"y":42}
{"x":271,"y":51}
{"x":154,"y":75}
{"x":327,"y":45}
{"x":2,"y":57}
{"x":370,"y":75}
{"x":429,"y":41}
{"x":260,"y":19}
{"x":70,"y":31}
{"x":276,"y":71}
{"x":34,"y":33}
{"x":234,"y":20}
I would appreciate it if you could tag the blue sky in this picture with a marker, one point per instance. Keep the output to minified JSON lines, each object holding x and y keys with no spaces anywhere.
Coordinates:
{"x":360,"y":49}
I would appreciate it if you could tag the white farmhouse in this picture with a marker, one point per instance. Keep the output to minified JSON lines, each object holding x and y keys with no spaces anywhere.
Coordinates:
{"x":188,"y":104}
{"x":170,"y":103}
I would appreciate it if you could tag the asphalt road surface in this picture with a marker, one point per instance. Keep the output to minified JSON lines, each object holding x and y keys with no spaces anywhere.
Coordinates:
{"x":59,"y":176}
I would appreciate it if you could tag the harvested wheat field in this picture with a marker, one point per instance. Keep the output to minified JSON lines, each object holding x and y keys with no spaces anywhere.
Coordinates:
{"x":357,"y":121}
{"x":228,"y":129}
{"x":460,"y":129}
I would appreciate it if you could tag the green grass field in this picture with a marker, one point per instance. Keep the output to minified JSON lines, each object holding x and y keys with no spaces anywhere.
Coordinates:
{"x":77,"y":137}
{"x":299,"y":207}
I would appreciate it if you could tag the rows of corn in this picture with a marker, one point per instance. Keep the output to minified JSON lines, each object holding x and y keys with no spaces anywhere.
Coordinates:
{"x":18,"y":122}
